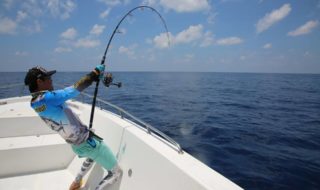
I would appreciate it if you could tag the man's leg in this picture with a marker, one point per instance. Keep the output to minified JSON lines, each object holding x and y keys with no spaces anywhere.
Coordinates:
{"x":110,"y":178}
{"x":87,"y":164}
{"x":98,"y":151}
{"x":108,"y":161}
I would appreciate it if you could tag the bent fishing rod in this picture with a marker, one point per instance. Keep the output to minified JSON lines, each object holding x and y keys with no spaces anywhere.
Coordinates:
{"x":107,"y":48}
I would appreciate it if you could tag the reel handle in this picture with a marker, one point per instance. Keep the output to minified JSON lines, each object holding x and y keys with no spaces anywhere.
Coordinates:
{"x":108,"y":80}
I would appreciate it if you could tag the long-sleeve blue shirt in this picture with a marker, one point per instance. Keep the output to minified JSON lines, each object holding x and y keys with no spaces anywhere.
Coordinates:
{"x":51,"y":107}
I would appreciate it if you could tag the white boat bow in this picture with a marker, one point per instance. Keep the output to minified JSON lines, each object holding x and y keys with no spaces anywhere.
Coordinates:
{"x":34,"y":157}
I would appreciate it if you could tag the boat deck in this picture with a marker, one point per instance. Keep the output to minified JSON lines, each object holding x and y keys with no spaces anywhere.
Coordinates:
{"x":54,"y":180}
{"x":33,"y":157}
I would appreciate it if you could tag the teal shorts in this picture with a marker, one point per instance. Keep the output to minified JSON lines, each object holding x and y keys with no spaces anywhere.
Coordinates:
{"x":98,"y":151}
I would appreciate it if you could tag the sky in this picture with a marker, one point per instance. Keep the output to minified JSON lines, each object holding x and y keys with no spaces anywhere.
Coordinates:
{"x":261,"y":36}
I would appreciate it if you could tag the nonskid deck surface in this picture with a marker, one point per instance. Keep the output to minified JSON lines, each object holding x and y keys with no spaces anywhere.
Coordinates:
{"x":54,"y":180}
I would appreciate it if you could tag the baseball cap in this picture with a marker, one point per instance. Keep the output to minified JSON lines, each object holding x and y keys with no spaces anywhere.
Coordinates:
{"x":37,"y":73}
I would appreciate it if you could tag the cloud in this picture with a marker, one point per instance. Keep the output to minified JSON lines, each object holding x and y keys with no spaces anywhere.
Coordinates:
{"x":62,"y":50}
{"x":8,"y":4}
{"x":207,"y":40}
{"x":212,"y":17}
{"x":125,"y":50}
{"x":21,"y":15}
{"x":267,"y":46}
{"x":115,"y":2}
{"x":105,"y":13}
{"x":86,"y":43}
{"x":129,"y":51}
{"x":21,"y":53}
{"x":69,"y":34}
{"x":122,"y":31}
{"x":229,"y":41}
{"x":307,"y":54}
{"x":272,"y":18}
{"x":61,"y":9}
{"x":193,"y":33}
{"x":188,"y":57}
{"x":56,"y":8}
{"x":185,"y":5}
{"x":304,"y":29}
{"x":97,"y":29}
{"x":33,"y":8}
{"x":34,"y":28}
{"x":29,"y":12}
{"x":7,"y":26}
{"x":161,"y":41}
{"x":90,"y":41}
{"x":150,"y":2}
{"x":180,"y":5}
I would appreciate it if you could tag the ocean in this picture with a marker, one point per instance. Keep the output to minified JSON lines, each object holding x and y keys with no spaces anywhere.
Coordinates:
{"x":262,"y":131}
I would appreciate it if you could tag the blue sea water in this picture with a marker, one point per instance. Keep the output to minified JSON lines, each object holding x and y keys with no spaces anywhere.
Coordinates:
{"x":262,"y":131}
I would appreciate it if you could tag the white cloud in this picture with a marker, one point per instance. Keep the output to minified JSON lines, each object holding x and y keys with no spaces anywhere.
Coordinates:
{"x":90,"y":41}
{"x":229,"y":41}
{"x":304,"y":29}
{"x":115,"y":2}
{"x":97,"y":29}
{"x":129,"y":51}
{"x":34,"y":28}
{"x":61,"y":9}
{"x":267,"y":46}
{"x":230,"y":1}
{"x":62,"y":50}
{"x":55,"y":8}
{"x":8,"y":4}
{"x":69,"y":34}
{"x":33,"y":8}
{"x":21,"y":53}
{"x":30,"y":11}
{"x":86,"y":43}
{"x":7,"y":26}
{"x":306,"y":54}
{"x":149,"y":41}
{"x":123,"y":49}
{"x":150,"y":2}
{"x":105,"y":13}
{"x":193,"y":33}
{"x":161,"y":41}
{"x":21,"y":15}
{"x":207,"y":40}
{"x":122,"y":31}
{"x":272,"y":18}
{"x":212,"y":17}
{"x":189,"y":35}
{"x":188,"y":57}
{"x":186,"y":5}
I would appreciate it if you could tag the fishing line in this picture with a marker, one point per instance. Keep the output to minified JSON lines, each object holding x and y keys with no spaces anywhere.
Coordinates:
{"x":109,"y":42}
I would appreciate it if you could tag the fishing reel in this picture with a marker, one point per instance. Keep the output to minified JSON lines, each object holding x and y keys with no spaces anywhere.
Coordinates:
{"x":108,"y":81}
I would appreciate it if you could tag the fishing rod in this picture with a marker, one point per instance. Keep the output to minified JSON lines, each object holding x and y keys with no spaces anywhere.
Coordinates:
{"x":107,"y":48}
